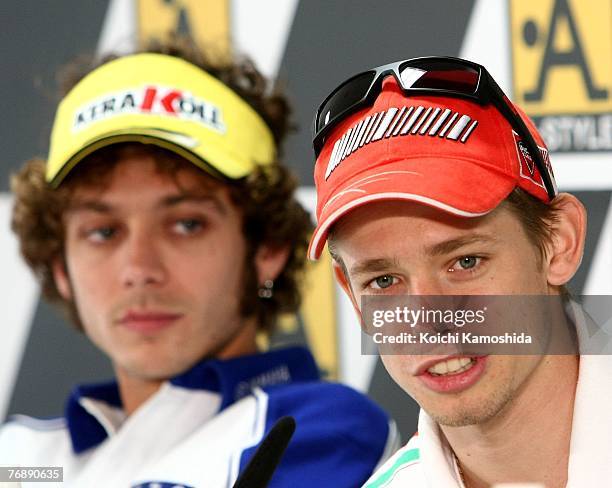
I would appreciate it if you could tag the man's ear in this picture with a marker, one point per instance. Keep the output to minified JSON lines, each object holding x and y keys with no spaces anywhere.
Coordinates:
{"x":565,"y":252}
{"x":270,"y":261}
{"x":60,"y":276}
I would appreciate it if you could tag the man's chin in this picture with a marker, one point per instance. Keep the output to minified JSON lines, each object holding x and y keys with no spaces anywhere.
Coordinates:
{"x":157,"y":372}
{"x":474,"y":412}
{"x":462,"y":420}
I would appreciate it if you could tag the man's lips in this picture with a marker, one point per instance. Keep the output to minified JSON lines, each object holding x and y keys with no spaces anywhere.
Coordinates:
{"x":147,"y":321}
{"x":453,"y":376}
{"x":422,"y":368}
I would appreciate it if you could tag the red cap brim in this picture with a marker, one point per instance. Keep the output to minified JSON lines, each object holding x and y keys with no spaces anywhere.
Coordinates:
{"x":470,"y":189}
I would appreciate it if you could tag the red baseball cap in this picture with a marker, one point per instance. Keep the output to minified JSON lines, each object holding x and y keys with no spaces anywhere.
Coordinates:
{"x":450,"y":153}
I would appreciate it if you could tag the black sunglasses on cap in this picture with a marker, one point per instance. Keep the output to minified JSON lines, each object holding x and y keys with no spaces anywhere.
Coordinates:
{"x":434,"y":75}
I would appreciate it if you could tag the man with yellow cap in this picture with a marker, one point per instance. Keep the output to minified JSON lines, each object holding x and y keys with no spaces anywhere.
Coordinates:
{"x":165,"y":226}
{"x":436,"y":192}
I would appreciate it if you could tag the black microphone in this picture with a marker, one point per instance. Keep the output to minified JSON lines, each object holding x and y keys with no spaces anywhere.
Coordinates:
{"x":262,"y":465}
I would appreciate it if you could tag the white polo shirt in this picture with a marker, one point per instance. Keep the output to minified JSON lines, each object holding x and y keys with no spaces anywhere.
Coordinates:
{"x":201,"y":428}
{"x":427,"y":460}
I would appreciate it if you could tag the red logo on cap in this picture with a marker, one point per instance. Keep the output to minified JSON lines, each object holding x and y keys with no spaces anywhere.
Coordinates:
{"x":527,"y":165}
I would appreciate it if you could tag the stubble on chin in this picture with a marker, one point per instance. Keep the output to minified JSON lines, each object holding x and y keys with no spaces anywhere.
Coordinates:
{"x":474,"y":412}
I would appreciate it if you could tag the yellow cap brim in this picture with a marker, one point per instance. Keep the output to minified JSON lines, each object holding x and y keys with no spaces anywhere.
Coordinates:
{"x":165,"y":101}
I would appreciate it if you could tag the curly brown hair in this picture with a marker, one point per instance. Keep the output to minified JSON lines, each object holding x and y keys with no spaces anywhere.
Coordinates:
{"x":271,"y":214}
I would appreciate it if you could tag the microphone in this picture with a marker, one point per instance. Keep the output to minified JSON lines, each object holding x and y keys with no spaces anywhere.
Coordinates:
{"x":262,"y":465}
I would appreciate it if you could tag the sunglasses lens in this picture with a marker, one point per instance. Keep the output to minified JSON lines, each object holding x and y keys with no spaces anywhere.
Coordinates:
{"x":345,"y":97}
{"x":441,"y":75}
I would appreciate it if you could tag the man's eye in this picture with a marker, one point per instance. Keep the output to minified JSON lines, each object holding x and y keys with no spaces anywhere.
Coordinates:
{"x":101,"y":234}
{"x":465,"y":263}
{"x":382,"y":282}
{"x":187,"y":226}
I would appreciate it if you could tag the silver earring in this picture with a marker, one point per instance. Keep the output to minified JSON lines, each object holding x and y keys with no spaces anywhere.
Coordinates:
{"x":266,"y":290}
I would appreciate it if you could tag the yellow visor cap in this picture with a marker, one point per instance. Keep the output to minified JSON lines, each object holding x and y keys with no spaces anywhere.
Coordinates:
{"x":161,"y":100}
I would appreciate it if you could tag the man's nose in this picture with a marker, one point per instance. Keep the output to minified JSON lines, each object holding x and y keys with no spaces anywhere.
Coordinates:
{"x":430,"y":287}
{"x":142,"y":264}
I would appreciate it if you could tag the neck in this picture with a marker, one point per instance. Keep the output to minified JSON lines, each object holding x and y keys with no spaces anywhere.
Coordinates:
{"x":529,"y":440}
{"x":136,"y":389}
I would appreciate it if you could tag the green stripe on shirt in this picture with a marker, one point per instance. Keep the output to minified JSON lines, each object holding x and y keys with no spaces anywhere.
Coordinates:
{"x":407,"y":457}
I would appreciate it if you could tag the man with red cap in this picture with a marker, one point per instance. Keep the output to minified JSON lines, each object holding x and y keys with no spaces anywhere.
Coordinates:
{"x":431,"y":182}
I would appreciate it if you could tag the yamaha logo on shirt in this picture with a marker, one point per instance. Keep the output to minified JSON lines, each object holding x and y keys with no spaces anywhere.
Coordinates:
{"x":153,"y":100}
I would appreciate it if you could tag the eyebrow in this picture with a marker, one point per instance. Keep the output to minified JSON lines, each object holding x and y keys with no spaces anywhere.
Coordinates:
{"x":373,"y":266}
{"x":89,"y":205}
{"x":383,"y":264}
{"x":174,"y":200}
{"x":167,"y":202}
{"x":451,"y":245}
